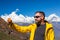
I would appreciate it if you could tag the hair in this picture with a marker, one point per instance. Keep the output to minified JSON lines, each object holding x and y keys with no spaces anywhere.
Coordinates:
{"x":41,"y":13}
{"x":46,"y":21}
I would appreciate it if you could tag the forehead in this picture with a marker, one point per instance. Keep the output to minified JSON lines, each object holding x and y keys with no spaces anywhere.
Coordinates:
{"x":39,"y":14}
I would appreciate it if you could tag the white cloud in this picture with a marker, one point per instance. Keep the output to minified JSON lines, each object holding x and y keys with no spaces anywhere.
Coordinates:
{"x":18,"y":18}
{"x":26,"y":19}
{"x":53,"y":17}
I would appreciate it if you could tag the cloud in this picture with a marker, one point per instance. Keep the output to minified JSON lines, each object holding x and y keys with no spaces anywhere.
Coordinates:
{"x":26,"y":19}
{"x":18,"y":18}
{"x":53,"y":17}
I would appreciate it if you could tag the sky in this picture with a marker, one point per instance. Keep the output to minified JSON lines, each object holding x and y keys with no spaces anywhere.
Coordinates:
{"x":24,"y":10}
{"x":29,"y":7}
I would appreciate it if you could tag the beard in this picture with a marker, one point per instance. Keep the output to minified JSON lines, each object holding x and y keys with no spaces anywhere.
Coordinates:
{"x":38,"y":23}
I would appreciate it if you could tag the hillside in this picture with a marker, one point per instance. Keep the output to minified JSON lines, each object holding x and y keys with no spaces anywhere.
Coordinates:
{"x":6,"y":33}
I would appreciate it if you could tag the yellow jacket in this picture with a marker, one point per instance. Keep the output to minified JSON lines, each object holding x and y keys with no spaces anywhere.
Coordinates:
{"x":49,"y":32}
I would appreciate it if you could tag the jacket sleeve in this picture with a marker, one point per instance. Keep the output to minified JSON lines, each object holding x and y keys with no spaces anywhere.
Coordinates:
{"x":21,"y":28}
{"x":50,"y":34}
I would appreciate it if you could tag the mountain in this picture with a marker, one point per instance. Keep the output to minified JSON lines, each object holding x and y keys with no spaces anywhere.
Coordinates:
{"x":53,"y":18}
{"x":56,"y":26}
{"x":6,"y":33}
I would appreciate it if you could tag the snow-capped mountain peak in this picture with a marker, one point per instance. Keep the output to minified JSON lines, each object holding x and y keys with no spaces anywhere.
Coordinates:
{"x":53,"y":17}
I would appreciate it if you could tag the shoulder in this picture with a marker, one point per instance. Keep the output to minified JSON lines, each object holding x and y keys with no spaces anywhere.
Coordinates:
{"x":49,"y":27}
{"x":49,"y":24}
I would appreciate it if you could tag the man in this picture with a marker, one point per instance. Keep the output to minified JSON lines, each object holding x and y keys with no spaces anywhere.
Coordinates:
{"x":40,"y":30}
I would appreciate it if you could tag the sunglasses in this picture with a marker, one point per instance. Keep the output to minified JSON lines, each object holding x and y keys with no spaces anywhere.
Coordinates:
{"x":36,"y":16}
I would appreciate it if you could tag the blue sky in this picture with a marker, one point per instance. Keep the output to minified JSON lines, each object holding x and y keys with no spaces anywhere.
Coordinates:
{"x":29,"y":7}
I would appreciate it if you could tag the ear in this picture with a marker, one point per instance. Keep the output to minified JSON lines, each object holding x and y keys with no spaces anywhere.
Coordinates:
{"x":42,"y":18}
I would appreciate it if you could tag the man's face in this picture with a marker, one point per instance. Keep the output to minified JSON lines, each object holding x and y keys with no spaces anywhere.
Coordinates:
{"x":38,"y":17}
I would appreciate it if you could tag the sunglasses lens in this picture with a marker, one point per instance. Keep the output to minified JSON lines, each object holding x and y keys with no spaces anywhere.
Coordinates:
{"x":36,"y":16}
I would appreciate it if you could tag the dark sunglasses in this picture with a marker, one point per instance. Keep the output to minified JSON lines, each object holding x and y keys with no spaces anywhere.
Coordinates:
{"x":36,"y":16}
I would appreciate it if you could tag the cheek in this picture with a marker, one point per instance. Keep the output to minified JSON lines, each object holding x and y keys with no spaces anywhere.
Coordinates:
{"x":42,"y":18}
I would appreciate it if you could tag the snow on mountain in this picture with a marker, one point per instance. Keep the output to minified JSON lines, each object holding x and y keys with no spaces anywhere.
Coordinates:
{"x":53,"y":18}
{"x":18,"y":18}
{"x":26,"y":19}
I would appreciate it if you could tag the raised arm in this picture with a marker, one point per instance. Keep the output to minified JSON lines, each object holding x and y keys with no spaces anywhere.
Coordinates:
{"x":19,"y":28}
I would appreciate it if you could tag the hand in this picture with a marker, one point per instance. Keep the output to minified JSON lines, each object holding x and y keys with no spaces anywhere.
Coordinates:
{"x":9,"y":20}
